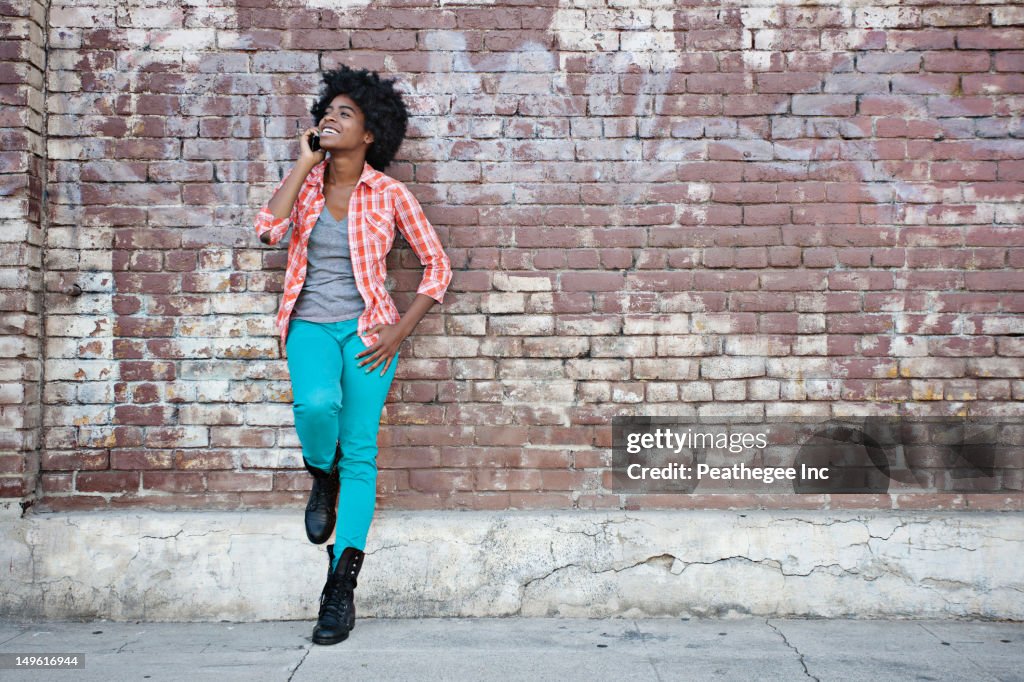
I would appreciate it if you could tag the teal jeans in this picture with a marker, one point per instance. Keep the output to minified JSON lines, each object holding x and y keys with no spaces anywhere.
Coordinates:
{"x":337,"y":401}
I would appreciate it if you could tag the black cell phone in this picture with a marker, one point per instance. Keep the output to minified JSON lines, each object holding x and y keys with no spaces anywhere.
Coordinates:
{"x":314,"y":142}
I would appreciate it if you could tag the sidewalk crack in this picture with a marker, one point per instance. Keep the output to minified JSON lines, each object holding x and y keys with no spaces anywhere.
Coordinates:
{"x":803,"y":663}
{"x":298,"y":665}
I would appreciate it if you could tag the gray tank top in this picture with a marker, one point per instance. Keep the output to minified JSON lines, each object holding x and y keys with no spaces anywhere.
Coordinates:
{"x":329,"y":293}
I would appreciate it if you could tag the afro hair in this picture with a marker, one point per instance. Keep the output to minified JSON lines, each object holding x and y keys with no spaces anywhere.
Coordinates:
{"x":382,"y":106}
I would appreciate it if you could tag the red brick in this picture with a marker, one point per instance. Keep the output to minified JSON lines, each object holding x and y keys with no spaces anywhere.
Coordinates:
{"x":990,"y":39}
{"x":74,"y":461}
{"x":140,"y":459}
{"x":428,"y":480}
{"x":106,"y":481}
{"x":174,"y":481}
{"x":147,"y":371}
{"x":230,"y":481}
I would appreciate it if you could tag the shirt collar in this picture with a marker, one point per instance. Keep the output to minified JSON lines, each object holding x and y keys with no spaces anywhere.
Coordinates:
{"x":370,"y":175}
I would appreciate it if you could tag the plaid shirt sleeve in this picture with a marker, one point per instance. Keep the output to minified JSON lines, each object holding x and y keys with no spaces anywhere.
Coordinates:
{"x":277,"y":227}
{"x":417,"y":230}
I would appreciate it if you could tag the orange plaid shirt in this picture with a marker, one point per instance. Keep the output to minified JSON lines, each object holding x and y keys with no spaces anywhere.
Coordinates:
{"x":378,"y":204}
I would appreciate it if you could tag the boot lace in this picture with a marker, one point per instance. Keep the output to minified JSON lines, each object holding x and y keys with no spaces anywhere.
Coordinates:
{"x":321,"y":495}
{"x":332,"y":599}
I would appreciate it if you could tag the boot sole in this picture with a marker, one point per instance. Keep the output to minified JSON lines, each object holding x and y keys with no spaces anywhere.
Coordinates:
{"x":330,"y":640}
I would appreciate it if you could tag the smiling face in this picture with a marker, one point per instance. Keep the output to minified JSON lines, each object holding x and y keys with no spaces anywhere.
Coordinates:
{"x":342,"y":128}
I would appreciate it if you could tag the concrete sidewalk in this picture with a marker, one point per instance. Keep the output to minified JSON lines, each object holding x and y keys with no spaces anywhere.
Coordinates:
{"x":529,"y":649}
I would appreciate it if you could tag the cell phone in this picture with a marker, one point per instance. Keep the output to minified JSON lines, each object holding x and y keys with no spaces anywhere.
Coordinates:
{"x":314,"y":142}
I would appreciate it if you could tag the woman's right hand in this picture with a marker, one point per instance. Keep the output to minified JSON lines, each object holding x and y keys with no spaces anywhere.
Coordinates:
{"x":307,"y":155}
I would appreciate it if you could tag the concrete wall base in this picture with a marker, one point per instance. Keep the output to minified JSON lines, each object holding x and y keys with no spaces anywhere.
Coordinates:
{"x":257,"y":565}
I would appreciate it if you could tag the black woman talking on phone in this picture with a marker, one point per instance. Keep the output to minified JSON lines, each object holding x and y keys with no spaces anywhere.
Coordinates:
{"x":339,"y":327}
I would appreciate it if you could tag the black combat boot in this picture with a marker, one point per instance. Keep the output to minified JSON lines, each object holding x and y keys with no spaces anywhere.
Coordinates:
{"x":321,"y":510}
{"x":337,"y":600}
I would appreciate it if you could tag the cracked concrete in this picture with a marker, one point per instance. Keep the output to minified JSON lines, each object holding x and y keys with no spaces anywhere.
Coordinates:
{"x":257,"y":565}
{"x":786,"y":641}
{"x":567,"y":649}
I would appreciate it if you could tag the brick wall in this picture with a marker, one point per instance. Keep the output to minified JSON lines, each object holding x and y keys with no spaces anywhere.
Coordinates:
{"x":23,"y":176}
{"x":655,"y":209}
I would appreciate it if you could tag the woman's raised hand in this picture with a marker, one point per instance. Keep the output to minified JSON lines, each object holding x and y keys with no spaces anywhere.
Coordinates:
{"x":307,"y":155}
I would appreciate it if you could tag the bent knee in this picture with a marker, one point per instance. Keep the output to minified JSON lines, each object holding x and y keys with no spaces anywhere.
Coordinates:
{"x":318,"y":403}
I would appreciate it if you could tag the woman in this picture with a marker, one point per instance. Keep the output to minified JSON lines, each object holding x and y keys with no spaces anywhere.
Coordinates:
{"x":340,"y":329}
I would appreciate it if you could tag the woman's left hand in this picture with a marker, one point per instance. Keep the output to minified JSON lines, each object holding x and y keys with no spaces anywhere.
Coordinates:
{"x":391,"y":337}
